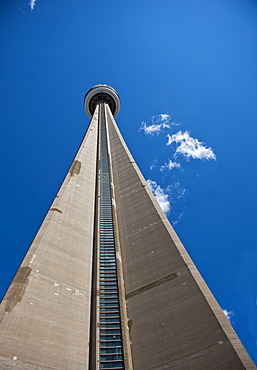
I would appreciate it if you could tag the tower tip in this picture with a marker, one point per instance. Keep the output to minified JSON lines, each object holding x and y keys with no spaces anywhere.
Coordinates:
{"x":100,"y":93}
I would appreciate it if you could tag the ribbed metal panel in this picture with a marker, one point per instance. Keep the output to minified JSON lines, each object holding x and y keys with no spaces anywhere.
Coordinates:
{"x":111,"y":348}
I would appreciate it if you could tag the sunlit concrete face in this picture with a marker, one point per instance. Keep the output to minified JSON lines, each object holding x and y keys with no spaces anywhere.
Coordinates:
{"x":45,"y":315}
{"x":167,"y":318}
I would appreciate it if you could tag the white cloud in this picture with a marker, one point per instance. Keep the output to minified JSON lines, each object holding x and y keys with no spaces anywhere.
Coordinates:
{"x":157,"y":124}
{"x":177,"y":191}
{"x":174,"y":223}
{"x":160,"y":195}
{"x":181,"y":193}
{"x":190,"y":147}
{"x":153,"y":165}
{"x":164,"y":117}
{"x":32,"y":4}
{"x":228,"y":314}
{"x":170,"y":165}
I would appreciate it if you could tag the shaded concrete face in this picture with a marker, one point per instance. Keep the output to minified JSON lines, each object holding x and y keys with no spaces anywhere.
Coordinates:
{"x":174,"y":320}
{"x":45,"y":314}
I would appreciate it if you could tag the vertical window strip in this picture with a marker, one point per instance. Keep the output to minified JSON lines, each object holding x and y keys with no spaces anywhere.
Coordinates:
{"x":111,"y":349}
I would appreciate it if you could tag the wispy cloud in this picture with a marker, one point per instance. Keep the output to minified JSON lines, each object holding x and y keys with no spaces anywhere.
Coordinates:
{"x":228,"y":314}
{"x":156,"y":124}
{"x":163,"y":117}
{"x":190,"y":147}
{"x":174,"y":223}
{"x":177,"y":191}
{"x":161,"y":196}
{"x":32,"y":4}
{"x":170,"y":165}
{"x":153,"y":165}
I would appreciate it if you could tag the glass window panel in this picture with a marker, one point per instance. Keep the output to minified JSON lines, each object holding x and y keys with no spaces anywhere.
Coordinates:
{"x":110,"y":357}
{"x":107,"y":325}
{"x":107,"y":270}
{"x":112,"y":365}
{"x":108,"y":286}
{"x":109,"y":297}
{"x":111,"y":350}
{"x":109,"y":304}
{"x":110,"y":314}
{"x":107,"y":262}
{"x":108,"y":279}
{"x":111,"y":344}
{"x":108,"y":291}
{"x":107,"y":320}
{"x":110,"y":259}
{"x":110,"y":331}
{"x":110,"y":337}
{"x":105,"y":259}
{"x":114,"y":310}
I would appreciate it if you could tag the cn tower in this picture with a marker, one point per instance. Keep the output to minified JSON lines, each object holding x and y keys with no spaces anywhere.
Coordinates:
{"x":106,"y":282}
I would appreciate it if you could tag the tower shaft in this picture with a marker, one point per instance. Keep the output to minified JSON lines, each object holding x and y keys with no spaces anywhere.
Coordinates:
{"x":106,"y":283}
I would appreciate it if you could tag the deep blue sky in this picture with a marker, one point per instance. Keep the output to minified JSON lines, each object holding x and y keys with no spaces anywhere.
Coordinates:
{"x":194,"y":60}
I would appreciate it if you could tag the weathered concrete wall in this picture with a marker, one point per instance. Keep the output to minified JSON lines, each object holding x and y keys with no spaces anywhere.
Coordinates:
{"x":45,"y":314}
{"x":174,"y":320}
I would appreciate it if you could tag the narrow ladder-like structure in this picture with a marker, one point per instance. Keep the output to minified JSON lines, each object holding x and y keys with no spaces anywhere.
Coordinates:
{"x":111,"y":347}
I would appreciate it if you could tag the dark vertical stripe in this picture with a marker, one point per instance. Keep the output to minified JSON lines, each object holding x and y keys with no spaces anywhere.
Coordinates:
{"x":93,"y":320}
{"x":111,"y":348}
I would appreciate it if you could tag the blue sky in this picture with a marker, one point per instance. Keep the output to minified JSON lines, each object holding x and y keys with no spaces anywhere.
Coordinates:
{"x":192,"y":61}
